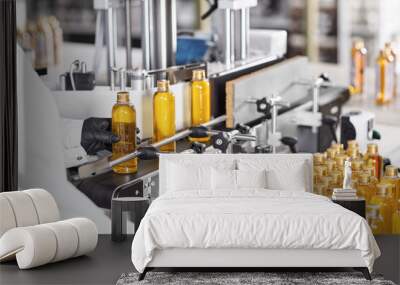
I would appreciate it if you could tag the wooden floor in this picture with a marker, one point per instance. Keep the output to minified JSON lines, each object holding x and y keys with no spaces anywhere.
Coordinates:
{"x":106,"y":264}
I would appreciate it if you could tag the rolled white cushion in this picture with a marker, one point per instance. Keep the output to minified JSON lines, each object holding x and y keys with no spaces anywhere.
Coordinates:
{"x":7,"y":218}
{"x":33,"y":246}
{"x":46,"y":206}
{"x":37,"y":245}
{"x":67,"y":240}
{"x":87,"y":234}
{"x":23,"y":208}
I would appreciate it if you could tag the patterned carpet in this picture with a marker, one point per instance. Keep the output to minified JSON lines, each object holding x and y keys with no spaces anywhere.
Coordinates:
{"x":243,"y":278}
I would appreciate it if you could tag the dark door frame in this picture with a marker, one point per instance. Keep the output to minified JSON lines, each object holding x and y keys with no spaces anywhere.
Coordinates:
{"x":8,"y":98}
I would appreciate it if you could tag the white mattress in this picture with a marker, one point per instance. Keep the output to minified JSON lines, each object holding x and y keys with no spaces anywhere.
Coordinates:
{"x":252,"y":219}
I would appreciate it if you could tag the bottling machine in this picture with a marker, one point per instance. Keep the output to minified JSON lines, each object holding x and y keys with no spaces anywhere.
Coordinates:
{"x":260,"y":103}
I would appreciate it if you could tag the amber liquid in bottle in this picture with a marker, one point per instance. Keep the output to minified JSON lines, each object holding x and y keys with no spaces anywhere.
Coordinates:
{"x":372,"y":154}
{"x":358,"y":56}
{"x":384,"y":80}
{"x":392,"y":59}
{"x":124,"y":125}
{"x":164,"y":115}
{"x":382,"y":199}
{"x":201,"y":101}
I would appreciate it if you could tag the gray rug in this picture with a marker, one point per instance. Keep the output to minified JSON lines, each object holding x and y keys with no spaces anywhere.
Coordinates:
{"x":233,"y":278}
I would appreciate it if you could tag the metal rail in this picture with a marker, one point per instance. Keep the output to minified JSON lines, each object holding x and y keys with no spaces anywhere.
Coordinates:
{"x":173,"y":138}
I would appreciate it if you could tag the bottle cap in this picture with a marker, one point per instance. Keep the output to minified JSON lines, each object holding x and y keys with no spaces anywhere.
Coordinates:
{"x":318,"y":158}
{"x":338,"y":147}
{"x":198,"y":75}
{"x":352,"y":144}
{"x":331,"y":153}
{"x":352,"y":152}
{"x":162,"y":85}
{"x":358,"y":44}
{"x":340,"y":161}
{"x":391,"y":170}
{"x":123,"y":97}
{"x":372,"y":148}
{"x":388,"y":45}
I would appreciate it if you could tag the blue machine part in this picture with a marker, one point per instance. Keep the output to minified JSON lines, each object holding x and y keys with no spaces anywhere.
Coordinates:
{"x":190,"y":50}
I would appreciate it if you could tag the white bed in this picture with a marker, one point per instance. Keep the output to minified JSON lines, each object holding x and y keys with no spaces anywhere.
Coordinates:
{"x":210,"y":226}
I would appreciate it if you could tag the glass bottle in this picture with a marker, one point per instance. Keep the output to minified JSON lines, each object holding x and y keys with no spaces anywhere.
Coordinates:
{"x":340,"y":162}
{"x":391,"y":177}
{"x":365,"y":189}
{"x":201,"y":101}
{"x":392,"y":59}
{"x":356,"y":166}
{"x":358,"y":64}
{"x":330,"y":165}
{"x":382,"y":199}
{"x":327,"y":181}
{"x":374,"y":219}
{"x":124,"y":125}
{"x":372,"y":154}
{"x":337,"y":179}
{"x":164,"y":115}
{"x":384,"y":84}
{"x":331,"y":153}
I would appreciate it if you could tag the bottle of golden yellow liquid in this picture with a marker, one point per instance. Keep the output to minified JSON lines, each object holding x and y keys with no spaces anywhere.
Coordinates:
{"x":374,"y":219}
{"x":164,"y":115}
{"x":382,"y":199}
{"x":384,"y":80}
{"x":373,"y":154}
{"x":392,"y":59}
{"x":365,"y":188}
{"x":391,"y":177}
{"x":358,"y":64}
{"x":124,"y":125}
{"x":201,"y":101}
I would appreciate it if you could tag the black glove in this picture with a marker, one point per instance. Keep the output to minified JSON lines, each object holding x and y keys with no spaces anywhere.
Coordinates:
{"x":97,"y":135}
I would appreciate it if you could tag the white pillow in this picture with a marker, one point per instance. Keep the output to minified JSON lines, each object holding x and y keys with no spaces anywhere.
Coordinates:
{"x":188,"y":177}
{"x":223,"y":179}
{"x":251,"y":178}
{"x":284,"y":172}
{"x":279,"y":180}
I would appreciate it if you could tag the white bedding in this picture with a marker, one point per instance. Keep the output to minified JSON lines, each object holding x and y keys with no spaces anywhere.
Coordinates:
{"x":252,"y":218}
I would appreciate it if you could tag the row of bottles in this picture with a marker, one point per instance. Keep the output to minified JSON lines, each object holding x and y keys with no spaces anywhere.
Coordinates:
{"x":124,"y":118}
{"x":386,"y":72}
{"x":381,"y":190}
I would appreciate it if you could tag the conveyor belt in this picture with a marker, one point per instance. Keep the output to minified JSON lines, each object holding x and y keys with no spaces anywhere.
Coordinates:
{"x":101,"y":187}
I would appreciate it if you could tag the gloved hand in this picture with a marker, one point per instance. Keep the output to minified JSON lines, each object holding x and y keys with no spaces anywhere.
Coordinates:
{"x":97,"y":135}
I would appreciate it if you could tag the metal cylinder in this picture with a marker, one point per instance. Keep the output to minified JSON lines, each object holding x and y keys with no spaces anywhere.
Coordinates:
{"x":159,"y":45}
{"x":146,"y":31}
{"x":128,"y":34}
{"x":244,"y":32}
{"x":111,"y":43}
{"x":228,"y":33}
